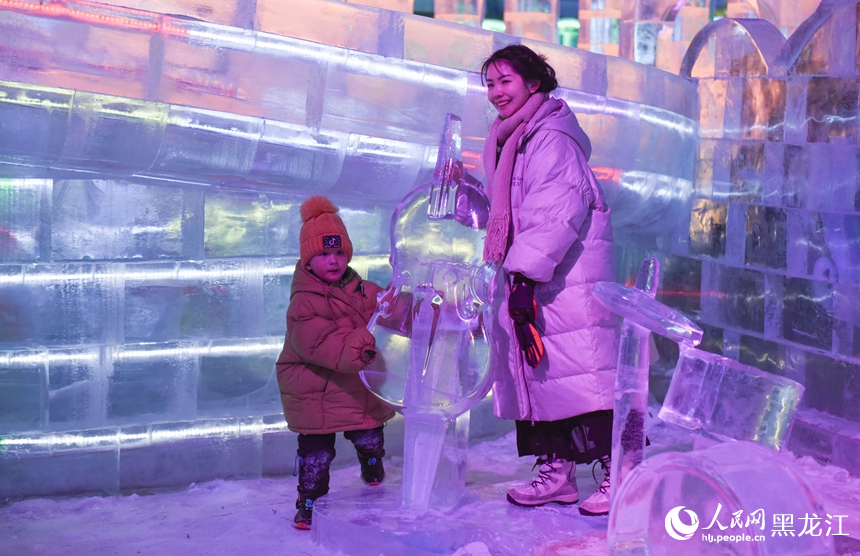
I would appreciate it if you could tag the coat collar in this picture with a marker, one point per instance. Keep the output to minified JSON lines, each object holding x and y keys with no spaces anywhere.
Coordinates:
{"x":306,"y":281}
{"x":559,"y":117}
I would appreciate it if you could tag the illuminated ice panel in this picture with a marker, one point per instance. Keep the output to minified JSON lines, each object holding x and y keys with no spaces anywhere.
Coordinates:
{"x":466,"y":12}
{"x":112,"y":134}
{"x":112,"y":219}
{"x":23,"y":395}
{"x":237,"y":379}
{"x":220,"y":298}
{"x":310,"y":159}
{"x":155,"y":382}
{"x":60,"y":304}
{"x":22,"y":204}
{"x":277,"y":282}
{"x":733,"y":297}
{"x":249,"y":224}
{"x":34,"y":122}
{"x":61,"y":463}
{"x":165,"y":454}
{"x":76,"y":389}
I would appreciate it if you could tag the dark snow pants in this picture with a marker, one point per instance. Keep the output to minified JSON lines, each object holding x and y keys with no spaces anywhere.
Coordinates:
{"x":316,"y":452}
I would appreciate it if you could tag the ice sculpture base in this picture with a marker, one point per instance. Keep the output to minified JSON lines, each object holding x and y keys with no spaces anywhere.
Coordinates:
{"x":369,"y":521}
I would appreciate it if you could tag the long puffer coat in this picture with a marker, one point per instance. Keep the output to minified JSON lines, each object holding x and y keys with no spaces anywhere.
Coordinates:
{"x":321,"y":390}
{"x":562,"y":239}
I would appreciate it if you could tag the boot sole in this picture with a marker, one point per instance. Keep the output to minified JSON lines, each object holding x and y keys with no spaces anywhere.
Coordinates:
{"x":592,"y":514}
{"x":538,"y":504}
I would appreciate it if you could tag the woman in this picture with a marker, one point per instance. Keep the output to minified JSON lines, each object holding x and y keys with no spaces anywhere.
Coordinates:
{"x":555,"y":345}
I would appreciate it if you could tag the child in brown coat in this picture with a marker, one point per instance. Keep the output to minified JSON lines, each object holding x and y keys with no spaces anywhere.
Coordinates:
{"x":326,"y":345}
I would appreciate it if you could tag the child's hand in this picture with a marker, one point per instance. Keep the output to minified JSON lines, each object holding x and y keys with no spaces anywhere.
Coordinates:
{"x":358,"y":351}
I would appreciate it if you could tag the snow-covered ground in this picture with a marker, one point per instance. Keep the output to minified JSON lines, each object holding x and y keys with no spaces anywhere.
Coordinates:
{"x":255,"y":516}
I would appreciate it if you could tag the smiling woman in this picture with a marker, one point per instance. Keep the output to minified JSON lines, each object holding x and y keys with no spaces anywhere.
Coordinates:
{"x":554,"y":345}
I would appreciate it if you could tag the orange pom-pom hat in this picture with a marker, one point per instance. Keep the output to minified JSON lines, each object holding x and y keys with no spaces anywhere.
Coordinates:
{"x":322,"y":230}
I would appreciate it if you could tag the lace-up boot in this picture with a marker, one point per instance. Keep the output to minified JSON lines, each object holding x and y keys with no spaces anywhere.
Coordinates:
{"x":598,"y":503}
{"x":554,"y":483}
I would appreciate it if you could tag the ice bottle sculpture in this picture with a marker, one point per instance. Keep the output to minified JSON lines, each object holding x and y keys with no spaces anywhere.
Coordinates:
{"x":433,"y":355}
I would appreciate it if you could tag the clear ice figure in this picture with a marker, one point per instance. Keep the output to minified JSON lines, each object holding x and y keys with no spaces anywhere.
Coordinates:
{"x":727,"y":400}
{"x":432,"y":363}
{"x":710,"y":394}
{"x":672,"y":496}
{"x":631,"y":380}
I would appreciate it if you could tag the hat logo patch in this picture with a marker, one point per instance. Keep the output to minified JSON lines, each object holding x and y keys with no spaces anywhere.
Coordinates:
{"x":331,"y":242}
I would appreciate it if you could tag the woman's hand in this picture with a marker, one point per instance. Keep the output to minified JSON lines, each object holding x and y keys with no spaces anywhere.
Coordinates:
{"x":521,"y":304}
{"x":523,"y":310}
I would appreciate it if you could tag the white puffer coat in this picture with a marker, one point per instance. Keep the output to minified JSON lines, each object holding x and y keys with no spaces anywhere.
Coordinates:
{"x":562,"y":239}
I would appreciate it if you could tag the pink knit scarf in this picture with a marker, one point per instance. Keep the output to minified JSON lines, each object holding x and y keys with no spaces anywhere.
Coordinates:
{"x":506,"y":134}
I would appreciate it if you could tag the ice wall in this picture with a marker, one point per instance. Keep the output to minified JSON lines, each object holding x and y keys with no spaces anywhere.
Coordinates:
{"x":786,"y":15}
{"x":652,"y":32}
{"x":151,"y":169}
{"x":773,"y":235}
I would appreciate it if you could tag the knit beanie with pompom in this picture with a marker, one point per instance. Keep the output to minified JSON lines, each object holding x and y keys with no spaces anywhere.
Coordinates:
{"x":322,"y":230}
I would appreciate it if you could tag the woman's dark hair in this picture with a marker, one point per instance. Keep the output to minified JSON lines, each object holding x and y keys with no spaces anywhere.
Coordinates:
{"x":529,"y":64}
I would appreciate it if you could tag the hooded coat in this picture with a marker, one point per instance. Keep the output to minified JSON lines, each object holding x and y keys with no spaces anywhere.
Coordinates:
{"x":321,"y":390}
{"x":562,"y":239}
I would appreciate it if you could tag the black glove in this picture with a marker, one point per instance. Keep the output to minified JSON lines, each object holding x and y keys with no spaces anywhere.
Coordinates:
{"x":523,"y":310}
{"x":521,"y":304}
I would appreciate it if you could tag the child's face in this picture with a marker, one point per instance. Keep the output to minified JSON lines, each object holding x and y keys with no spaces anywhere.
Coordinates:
{"x":506,"y":89}
{"x":329,"y":265}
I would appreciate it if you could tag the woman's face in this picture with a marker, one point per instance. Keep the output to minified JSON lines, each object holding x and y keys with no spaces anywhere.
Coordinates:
{"x":506,"y":89}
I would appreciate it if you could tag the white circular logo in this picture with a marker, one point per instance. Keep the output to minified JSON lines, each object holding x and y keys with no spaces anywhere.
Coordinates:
{"x":676,"y":528}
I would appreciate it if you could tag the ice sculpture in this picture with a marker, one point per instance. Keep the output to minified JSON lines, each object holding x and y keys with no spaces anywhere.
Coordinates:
{"x":729,"y":400}
{"x":714,"y":396}
{"x":631,"y":380}
{"x":710,"y":394}
{"x":433,"y":358}
{"x":733,"y":498}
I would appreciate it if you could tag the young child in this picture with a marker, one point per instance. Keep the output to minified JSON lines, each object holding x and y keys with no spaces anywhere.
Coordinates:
{"x":327,"y":344}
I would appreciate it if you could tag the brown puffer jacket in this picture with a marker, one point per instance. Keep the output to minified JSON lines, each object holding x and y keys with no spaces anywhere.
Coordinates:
{"x":321,"y":390}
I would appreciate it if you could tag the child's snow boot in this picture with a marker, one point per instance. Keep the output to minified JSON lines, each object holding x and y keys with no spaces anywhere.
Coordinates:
{"x":372,"y":472}
{"x":598,"y":503}
{"x":369,"y":447}
{"x":314,"y":476}
{"x":305,"y":514}
{"x":554,"y":483}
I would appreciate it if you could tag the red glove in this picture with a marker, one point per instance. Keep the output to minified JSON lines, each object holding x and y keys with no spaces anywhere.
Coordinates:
{"x":530,"y":343}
